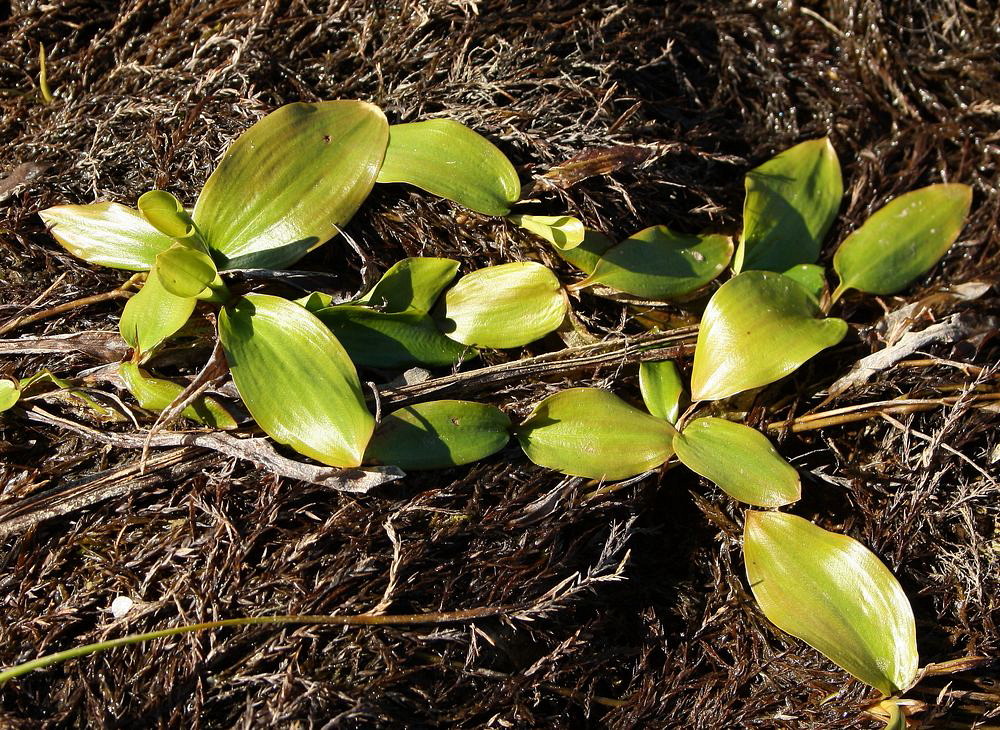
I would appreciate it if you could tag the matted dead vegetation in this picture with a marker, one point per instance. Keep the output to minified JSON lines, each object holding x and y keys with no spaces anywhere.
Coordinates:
{"x":639,"y":612}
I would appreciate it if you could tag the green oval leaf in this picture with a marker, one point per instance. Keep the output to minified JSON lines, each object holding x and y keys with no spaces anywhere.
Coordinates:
{"x":156,"y":394}
{"x":450,"y":160}
{"x":757,"y":328}
{"x":657,"y":263}
{"x":106,"y":234}
{"x":810,"y":277}
{"x":740,"y":460}
{"x":438,"y":434}
{"x":184,"y":271}
{"x":588,"y":253}
{"x":662,"y":389}
{"x":902,"y":240}
{"x":153,"y":315}
{"x":10,"y":393}
{"x":589,"y":432}
{"x":391,"y":339}
{"x":290,"y":182}
{"x":413,"y":284}
{"x":834,"y":594}
{"x":503,"y":306}
{"x":562,"y":231}
{"x":791,"y":202}
{"x":295,"y":379}
{"x":166,"y":214}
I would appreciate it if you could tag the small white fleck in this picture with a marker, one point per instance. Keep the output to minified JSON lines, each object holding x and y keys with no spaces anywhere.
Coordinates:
{"x":698,"y":256}
{"x":121,"y":606}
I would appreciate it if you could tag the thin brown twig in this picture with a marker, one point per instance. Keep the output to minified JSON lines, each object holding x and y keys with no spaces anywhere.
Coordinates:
{"x":17,"y":322}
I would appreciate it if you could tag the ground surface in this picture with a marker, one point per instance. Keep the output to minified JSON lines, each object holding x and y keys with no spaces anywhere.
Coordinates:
{"x":149,"y":94}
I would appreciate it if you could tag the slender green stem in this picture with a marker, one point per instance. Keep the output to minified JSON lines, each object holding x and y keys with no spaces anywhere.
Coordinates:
{"x":837,"y":294}
{"x":349,"y":620}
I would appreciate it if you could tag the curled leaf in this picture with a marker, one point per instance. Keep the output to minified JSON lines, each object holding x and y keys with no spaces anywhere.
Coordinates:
{"x":450,"y":160}
{"x":106,"y":234}
{"x":902,"y":240}
{"x":391,"y":339}
{"x":562,"y":231}
{"x":156,"y":394}
{"x":835,"y":595}
{"x":740,"y":460}
{"x":413,"y":284}
{"x":438,"y":434}
{"x":291,"y":182}
{"x":589,"y":432}
{"x":758,"y":327}
{"x":662,"y":389}
{"x":295,"y":379}
{"x":588,"y":253}
{"x":657,"y":263}
{"x":153,"y":315}
{"x":791,"y":202}
{"x":503,"y":306}
{"x":184,"y":271}
{"x":166,"y":214}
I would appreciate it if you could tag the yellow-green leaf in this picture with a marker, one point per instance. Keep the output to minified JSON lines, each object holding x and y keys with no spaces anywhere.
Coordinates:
{"x":438,"y":434}
{"x":185,"y":271}
{"x":413,"y":284}
{"x":106,"y":234}
{"x":791,"y":202}
{"x":588,"y":253}
{"x":156,"y":394}
{"x":9,"y":394}
{"x":662,"y":389}
{"x":902,"y":240}
{"x":740,"y":460}
{"x":589,"y":432}
{"x":657,"y":263}
{"x":153,"y":315}
{"x":166,"y":214}
{"x":296,"y":379}
{"x":834,"y":594}
{"x":758,"y":327}
{"x":811,"y":277}
{"x":391,"y":339}
{"x":290,"y":182}
{"x":562,"y":231}
{"x":450,"y":160}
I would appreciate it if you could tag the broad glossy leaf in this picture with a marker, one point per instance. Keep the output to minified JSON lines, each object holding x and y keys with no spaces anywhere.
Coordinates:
{"x":657,"y":263}
{"x":740,"y":460}
{"x":153,"y":315}
{"x":791,"y":202}
{"x":106,"y":234}
{"x":296,"y":379}
{"x":589,"y":432}
{"x":438,"y":434}
{"x":834,"y":594}
{"x":758,"y":327}
{"x":156,"y":394}
{"x":391,"y":339}
{"x":588,"y":253}
{"x":811,"y":276}
{"x":503,"y":306}
{"x":450,"y":160}
{"x":902,"y":240}
{"x":662,"y":389}
{"x":9,"y":394}
{"x":290,"y":182}
{"x":184,"y":271}
{"x":562,"y":231}
{"x":166,"y":214}
{"x":412,"y":284}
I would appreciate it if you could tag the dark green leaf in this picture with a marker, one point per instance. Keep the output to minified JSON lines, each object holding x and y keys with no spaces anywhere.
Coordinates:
{"x":438,"y":434}
{"x":811,"y":277}
{"x":791,"y":202}
{"x":592,"y":433}
{"x":588,"y":253}
{"x":450,"y":160}
{"x":295,"y":378}
{"x":757,"y":328}
{"x":902,"y":240}
{"x":106,"y":234}
{"x":291,"y":182}
{"x":834,"y":594}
